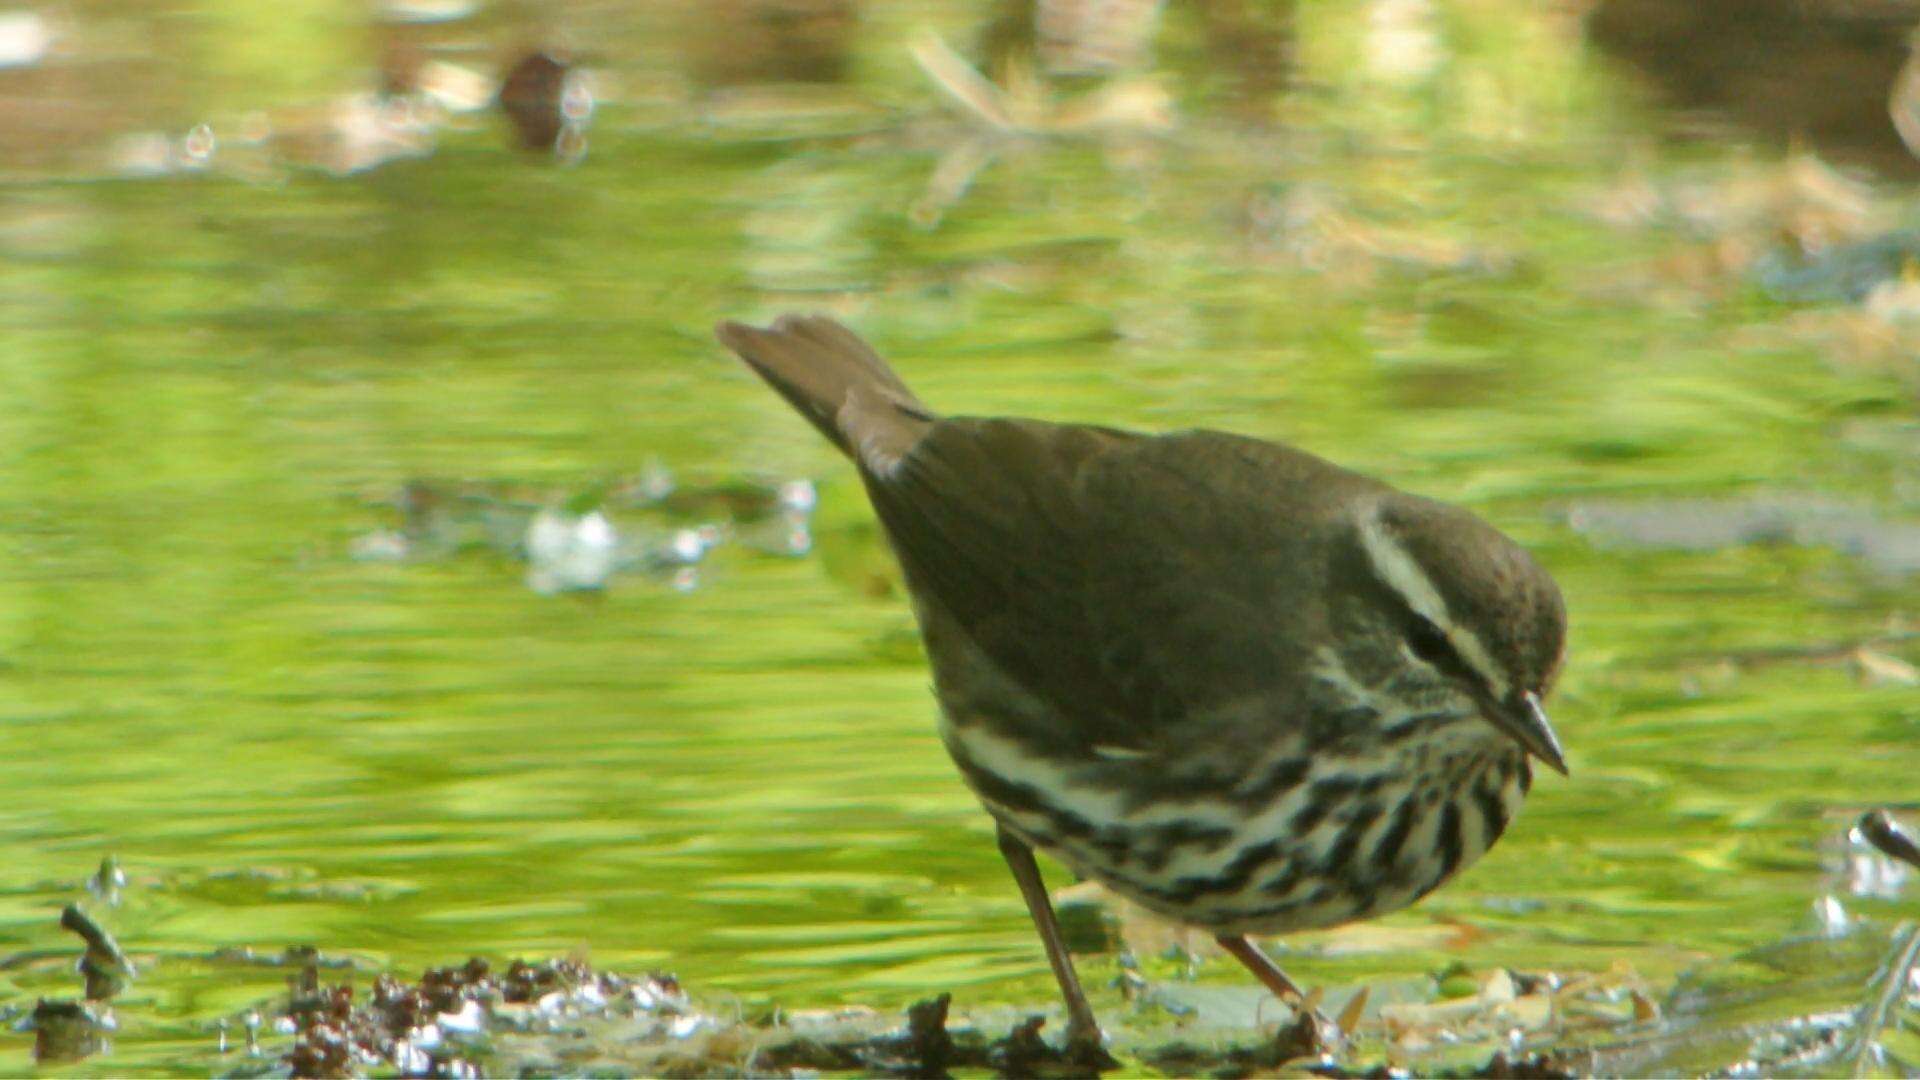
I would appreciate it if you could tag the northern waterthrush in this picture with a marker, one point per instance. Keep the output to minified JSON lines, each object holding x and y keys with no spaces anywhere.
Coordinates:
{"x":1234,"y":683}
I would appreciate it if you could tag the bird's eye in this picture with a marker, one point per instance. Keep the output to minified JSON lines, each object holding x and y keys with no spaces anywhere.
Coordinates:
{"x":1429,"y":643}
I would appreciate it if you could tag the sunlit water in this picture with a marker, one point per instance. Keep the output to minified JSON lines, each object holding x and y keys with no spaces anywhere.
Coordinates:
{"x":217,"y":381}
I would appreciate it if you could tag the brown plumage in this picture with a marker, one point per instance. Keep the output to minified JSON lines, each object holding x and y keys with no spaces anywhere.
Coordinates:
{"x":1232,"y":681}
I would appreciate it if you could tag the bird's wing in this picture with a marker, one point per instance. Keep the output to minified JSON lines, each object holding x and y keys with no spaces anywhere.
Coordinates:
{"x":1128,"y":583}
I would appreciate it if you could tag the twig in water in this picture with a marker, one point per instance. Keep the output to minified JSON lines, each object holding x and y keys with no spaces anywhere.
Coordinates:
{"x":1883,"y":833}
{"x":1892,"y":987}
{"x":105,"y":967}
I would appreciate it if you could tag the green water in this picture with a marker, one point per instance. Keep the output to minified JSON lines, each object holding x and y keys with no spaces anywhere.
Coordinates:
{"x":208,"y":379}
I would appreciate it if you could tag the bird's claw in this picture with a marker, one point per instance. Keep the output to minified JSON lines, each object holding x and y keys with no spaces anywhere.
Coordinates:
{"x":1310,"y":1034}
{"x":1086,"y":1047}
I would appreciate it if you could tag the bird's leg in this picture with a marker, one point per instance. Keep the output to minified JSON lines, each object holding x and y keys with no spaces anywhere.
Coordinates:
{"x":1242,"y":948}
{"x":1082,"y":1029}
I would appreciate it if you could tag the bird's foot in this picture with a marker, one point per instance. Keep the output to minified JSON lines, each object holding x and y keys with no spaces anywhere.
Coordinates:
{"x":1309,"y":1035}
{"x":1024,"y":1053}
{"x":1086,"y":1048}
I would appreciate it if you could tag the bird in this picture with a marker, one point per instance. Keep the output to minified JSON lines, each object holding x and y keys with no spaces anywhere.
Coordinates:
{"x":1234,"y":683}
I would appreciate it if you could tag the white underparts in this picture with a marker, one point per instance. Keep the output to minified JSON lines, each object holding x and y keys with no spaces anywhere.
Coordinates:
{"x":1071,"y":790}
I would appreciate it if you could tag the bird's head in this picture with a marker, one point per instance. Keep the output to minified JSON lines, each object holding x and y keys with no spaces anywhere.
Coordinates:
{"x":1473,"y":606}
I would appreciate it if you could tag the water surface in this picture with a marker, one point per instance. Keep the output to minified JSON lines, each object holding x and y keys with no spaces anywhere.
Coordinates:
{"x":1390,"y":244}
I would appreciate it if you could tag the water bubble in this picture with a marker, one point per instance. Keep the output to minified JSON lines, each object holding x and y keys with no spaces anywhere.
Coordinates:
{"x":569,"y":553}
{"x":798,"y":495}
{"x":1832,"y":918}
{"x":198,"y":145}
{"x":687,"y":546}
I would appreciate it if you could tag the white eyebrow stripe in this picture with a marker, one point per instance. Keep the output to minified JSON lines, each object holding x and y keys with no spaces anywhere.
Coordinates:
{"x":1404,"y":576}
{"x":1399,"y":571}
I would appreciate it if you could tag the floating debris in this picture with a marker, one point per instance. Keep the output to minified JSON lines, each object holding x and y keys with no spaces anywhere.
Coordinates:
{"x":1878,"y":828}
{"x":580,"y":542}
{"x":441,"y":1024}
{"x":1855,"y":272}
{"x":400,"y":115}
{"x":1867,"y":867}
{"x":548,"y":104}
{"x":66,"y":1030}
{"x":108,"y":881}
{"x":1891,"y":989}
{"x":1472,"y":1005}
{"x":105,"y":968}
{"x":69,"y":1030}
{"x":563,"y":1016}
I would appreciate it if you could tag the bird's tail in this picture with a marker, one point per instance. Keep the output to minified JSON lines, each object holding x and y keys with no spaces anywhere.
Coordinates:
{"x":837,"y":382}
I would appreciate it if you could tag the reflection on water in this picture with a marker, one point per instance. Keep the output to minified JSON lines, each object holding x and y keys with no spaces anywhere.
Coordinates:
{"x":548,"y":103}
{"x":308,"y":366}
{"x":578,"y":543}
{"x":1818,"y":72}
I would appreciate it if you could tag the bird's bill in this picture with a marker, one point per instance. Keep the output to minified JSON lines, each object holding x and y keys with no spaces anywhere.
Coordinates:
{"x":1525,"y":720}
